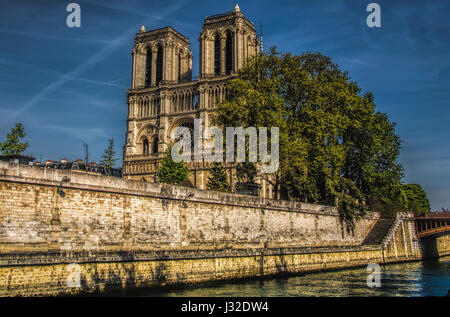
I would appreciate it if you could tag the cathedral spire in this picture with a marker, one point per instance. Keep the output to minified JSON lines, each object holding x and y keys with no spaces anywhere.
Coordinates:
{"x":261,"y":46}
{"x":236,"y":8}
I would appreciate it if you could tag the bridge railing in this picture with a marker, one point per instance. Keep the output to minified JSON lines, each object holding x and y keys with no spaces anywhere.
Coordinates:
{"x":444,"y":215}
{"x":432,"y":223}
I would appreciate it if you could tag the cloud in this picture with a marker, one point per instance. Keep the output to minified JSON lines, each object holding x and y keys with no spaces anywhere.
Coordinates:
{"x":9,"y":31}
{"x":83,"y":134}
{"x":52,"y":73}
{"x":137,"y":10}
{"x":80,"y":69}
{"x":355,"y":61}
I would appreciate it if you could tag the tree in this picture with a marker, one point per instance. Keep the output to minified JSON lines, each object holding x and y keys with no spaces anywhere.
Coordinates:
{"x":254,"y":101}
{"x":108,"y":156}
{"x":12,"y":144}
{"x":335,"y":148}
{"x":246,"y":173}
{"x":171,"y":172}
{"x":350,"y":202}
{"x":218,"y":179}
{"x":417,"y":200}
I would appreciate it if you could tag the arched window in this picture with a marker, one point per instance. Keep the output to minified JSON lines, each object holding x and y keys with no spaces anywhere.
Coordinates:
{"x":179,"y":66}
{"x":189,"y":124}
{"x":145,"y":147}
{"x":217,"y":55}
{"x":155,"y":146}
{"x":229,"y":53}
{"x":148,"y":67}
{"x":249,"y":47}
{"x":159,"y":64}
{"x":195,"y":101}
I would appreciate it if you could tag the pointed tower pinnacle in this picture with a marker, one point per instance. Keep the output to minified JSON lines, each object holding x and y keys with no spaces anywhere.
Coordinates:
{"x":261,"y":45}
{"x":142,"y":29}
{"x":236,"y":8}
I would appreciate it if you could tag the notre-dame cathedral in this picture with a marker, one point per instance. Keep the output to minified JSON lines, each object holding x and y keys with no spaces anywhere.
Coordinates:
{"x":164,"y":95}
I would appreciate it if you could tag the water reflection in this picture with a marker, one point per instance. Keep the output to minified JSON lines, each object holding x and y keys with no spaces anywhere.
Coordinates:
{"x":406,"y":279}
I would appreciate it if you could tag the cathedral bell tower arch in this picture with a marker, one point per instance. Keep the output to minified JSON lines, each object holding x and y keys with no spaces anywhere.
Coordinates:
{"x":226,"y":41}
{"x":159,"y":56}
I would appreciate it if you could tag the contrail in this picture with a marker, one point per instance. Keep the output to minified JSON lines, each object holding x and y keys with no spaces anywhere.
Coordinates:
{"x":80,"y":69}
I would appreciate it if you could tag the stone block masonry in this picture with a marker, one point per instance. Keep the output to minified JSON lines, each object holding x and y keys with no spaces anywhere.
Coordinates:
{"x":111,"y":214}
{"x":126,"y":234}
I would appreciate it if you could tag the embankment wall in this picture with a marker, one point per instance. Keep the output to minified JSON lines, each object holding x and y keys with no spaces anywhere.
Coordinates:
{"x":102,"y":233}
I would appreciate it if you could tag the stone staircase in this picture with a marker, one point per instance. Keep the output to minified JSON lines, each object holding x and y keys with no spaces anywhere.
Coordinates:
{"x":378,"y":232}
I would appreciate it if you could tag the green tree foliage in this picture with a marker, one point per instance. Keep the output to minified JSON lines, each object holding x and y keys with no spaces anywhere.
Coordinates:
{"x":246,"y":173}
{"x":218,"y":179}
{"x":350,"y":202}
{"x":12,"y":144}
{"x":108,"y":158}
{"x":335,"y":148}
{"x":171,"y":172}
{"x":417,"y":200}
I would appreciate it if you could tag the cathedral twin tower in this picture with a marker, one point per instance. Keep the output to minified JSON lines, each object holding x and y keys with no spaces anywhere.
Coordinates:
{"x":164,"y":95}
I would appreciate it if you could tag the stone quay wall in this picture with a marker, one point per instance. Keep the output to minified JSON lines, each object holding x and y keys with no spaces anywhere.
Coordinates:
{"x":99,"y":233}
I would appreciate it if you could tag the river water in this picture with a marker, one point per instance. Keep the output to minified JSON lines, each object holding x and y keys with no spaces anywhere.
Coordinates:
{"x":429,"y":278}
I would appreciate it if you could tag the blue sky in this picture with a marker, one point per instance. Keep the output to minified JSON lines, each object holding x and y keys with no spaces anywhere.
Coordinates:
{"x":68,"y":85}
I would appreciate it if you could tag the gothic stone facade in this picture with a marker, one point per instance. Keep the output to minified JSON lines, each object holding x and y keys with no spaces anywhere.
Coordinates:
{"x":164,"y":95}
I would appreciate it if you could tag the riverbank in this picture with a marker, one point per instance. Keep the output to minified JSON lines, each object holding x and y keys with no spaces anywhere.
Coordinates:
{"x":101,"y":234}
{"x":106,"y":272}
{"x":412,"y":279}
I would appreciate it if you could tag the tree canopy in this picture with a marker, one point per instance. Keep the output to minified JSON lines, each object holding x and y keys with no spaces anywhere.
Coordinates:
{"x":417,"y":199}
{"x":171,"y":172}
{"x":13,"y":145}
{"x":335,"y":147}
{"x":218,"y":179}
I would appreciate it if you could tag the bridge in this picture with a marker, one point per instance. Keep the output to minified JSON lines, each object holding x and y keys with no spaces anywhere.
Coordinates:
{"x":432,"y":224}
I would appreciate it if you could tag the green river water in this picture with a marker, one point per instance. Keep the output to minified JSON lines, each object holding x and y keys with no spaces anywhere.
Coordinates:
{"x":428,"y":278}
